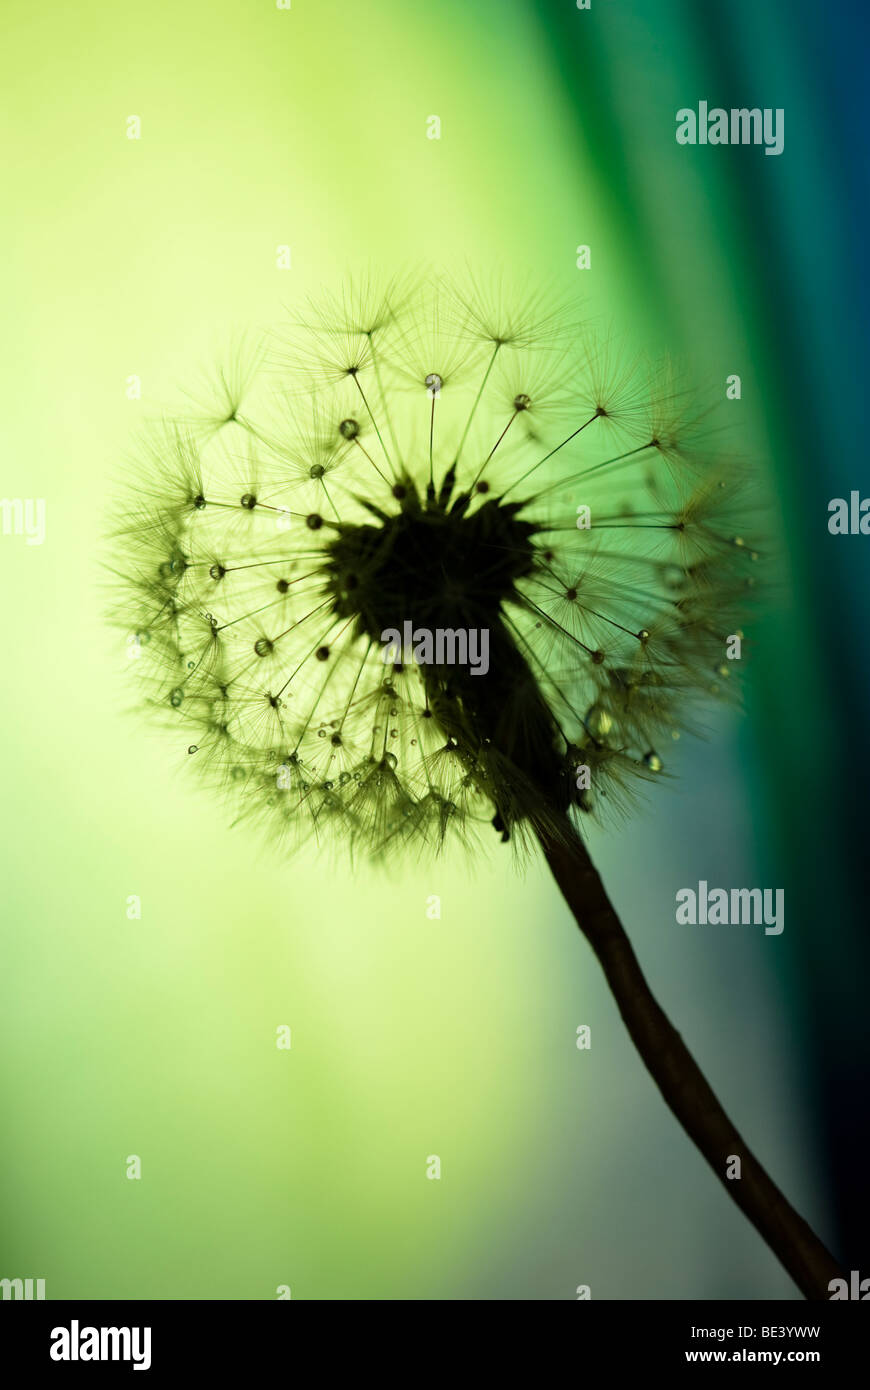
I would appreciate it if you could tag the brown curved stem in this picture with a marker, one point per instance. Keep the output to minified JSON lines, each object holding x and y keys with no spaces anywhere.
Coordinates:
{"x":679,"y":1078}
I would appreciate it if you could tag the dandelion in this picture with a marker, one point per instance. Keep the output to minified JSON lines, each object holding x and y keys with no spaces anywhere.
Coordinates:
{"x":316,"y":549}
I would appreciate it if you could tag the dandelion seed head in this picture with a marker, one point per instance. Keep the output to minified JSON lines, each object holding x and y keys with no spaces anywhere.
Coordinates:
{"x":429,"y":456}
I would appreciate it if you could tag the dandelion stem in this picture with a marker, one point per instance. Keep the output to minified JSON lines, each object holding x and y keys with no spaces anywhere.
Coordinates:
{"x":480,"y":392}
{"x":380,"y":474}
{"x":432,"y":443}
{"x":584,"y":472}
{"x":530,"y":471}
{"x":375,"y":425}
{"x":384,"y":399}
{"x":493,"y":449}
{"x":678,"y":1076}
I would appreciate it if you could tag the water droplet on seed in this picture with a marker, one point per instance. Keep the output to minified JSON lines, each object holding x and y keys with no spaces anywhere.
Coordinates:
{"x":598,"y":721}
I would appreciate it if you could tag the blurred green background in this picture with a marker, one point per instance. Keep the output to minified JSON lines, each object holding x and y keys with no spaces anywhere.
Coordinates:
{"x":306,"y":127}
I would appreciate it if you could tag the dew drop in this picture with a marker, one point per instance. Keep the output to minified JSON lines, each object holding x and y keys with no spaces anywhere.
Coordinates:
{"x":598,"y":721}
{"x":653,"y":761}
{"x":262,"y":646}
{"x":391,"y":760}
{"x":522,"y":401}
{"x":316,"y":470}
{"x":217,"y":572}
{"x":193,"y":748}
{"x":433,"y":383}
{"x":349,"y":429}
{"x":176,"y":697}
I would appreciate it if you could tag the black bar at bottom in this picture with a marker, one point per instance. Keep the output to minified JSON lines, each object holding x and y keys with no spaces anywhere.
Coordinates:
{"x":214,"y":1340}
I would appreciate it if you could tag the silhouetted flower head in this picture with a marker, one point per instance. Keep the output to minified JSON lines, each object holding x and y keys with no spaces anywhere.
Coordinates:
{"x":323,"y":544}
